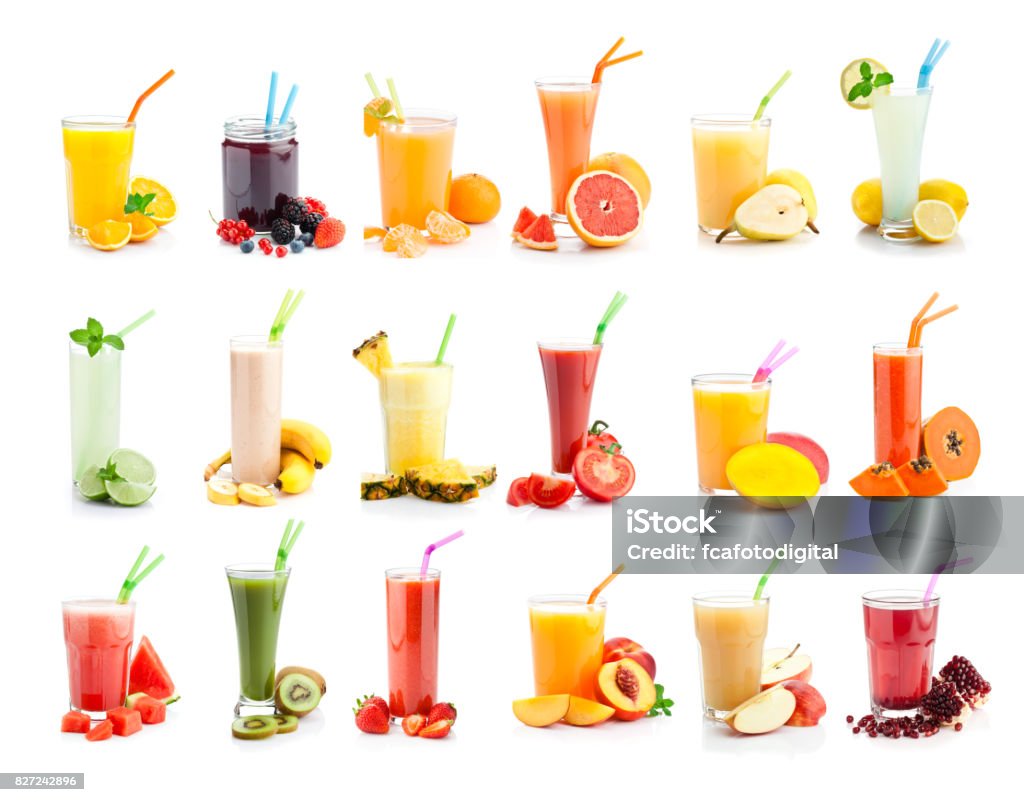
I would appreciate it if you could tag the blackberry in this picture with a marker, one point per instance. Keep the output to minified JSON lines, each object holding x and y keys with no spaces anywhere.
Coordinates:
{"x":309,"y":222}
{"x":294,"y":210}
{"x":282,"y":231}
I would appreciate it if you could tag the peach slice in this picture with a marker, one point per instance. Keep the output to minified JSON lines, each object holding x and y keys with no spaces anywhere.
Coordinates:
{"x":618,"y":648}
{"x":810,"y":704}
{"x":783,"y":664}
{"x":625,"y":686}
{"x":764,"y":712}
{"x":586,"y":712}
{"x":541,"y":711}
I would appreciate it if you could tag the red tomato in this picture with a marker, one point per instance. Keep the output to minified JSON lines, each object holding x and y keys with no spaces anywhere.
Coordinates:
{"x":603,"y":474}
{"x":549,"y":491}
{"x":598,"y":435}
{"x":517,"y":494}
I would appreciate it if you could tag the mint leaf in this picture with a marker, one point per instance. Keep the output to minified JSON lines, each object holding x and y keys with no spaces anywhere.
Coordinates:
{"x":865,"y":71}
{"x":79,"y":336}
{"x":661,"y":705}
{"x":114,"y":342}
{"x":138,"y":202}
{"x":883,"y":79}
{"x":93,"y":347}
{"x":94,"y":327}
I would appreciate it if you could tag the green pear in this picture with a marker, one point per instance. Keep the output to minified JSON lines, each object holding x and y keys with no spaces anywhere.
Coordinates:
{"x":799,"y":182}
{"x":774,"y":212}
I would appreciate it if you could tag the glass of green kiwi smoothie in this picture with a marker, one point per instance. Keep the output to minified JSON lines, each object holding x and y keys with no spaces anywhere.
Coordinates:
{"x":257,"y":593}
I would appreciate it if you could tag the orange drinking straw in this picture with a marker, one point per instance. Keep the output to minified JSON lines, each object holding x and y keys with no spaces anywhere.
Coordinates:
{"x":929,"y":319}
{"x":147,"y":93}
{"x":917,"y":319}
{"x":620,"y":59}
{"x":607,"y":581}
{"x":608,"y":61}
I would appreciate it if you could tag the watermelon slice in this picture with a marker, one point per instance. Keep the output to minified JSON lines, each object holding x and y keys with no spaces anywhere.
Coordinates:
{"x":125,"y":721}
{"x":101,"y":731}
{"x":148,"y":674}
{"x":73,"y":721}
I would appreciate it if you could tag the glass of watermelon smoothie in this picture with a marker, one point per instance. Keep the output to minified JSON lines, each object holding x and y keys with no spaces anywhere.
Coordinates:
{"x":98,"y":636}
{"x":257,"y":593}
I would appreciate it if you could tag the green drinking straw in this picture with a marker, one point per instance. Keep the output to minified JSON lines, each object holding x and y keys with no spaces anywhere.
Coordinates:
{"x":609,"y":315}
{"x":373,"y":85}
{"x":287,"y":542}
{"x":764,"y":579}
{"x":771,"y":94}
{"x":444,"y":340}
{"x":133,"y":579}
{"x":284,"y":314}
{"x":395,"y":100}
{"x":132,"y":326}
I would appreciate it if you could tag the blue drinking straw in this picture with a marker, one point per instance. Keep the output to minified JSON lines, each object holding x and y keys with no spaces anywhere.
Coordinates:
{"x":288,"y":104}
{"x":270,"y":100}
{"x":934,"y":54}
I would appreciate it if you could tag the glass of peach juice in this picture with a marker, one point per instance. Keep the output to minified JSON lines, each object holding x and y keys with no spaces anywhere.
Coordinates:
{"x":730,"y":412}
{"x":730,"y":163}
{"x":731,"y":629}
{"x":415,"y":162}
{"x":568,"y":106}
{"x":568,"y":643}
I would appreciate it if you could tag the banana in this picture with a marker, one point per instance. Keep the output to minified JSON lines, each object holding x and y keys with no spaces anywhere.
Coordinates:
{"x":307,"y":439}
{"x":297,"y":472}
{"x":220,"y":491}
{"x":216,"y":465}
{"x":256,"y":495}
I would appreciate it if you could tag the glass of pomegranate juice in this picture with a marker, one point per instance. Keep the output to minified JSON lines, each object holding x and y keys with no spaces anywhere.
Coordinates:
{"x":900,"y":627}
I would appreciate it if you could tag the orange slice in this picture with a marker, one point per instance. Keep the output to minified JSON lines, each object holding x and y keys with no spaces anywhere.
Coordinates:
{"x":406,"y":241}
{"x":445,"y":228}
{"x":109,"y":235}
{"x":374,"y":232}
{"x":163,"y":207}
{"x":143,"y":227}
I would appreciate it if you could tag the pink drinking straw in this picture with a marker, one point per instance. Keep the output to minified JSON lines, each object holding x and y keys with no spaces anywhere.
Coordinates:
{"x":768,"y":366}
{"x":945,"y":567}
{"x":434,"y":546}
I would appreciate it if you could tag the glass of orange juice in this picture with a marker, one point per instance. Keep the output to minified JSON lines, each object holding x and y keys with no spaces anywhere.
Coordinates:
{"x":97,"y":164}
{"x":415,"y":161}
{"x":568,"y":106}
{"x":568,"y":643}
{"x":730,"y":411}
{"x":730,"y":162}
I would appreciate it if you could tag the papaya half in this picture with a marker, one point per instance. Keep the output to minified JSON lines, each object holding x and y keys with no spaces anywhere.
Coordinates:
{"x":950,"y":440}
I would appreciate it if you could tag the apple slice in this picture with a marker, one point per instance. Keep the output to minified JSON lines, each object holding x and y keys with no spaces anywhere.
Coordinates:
{"x":783,"y":664}
{"x":765,"y":712}
{"x":810,"y":704}
{"x":587,"y":712}
{"x":541,"y":711}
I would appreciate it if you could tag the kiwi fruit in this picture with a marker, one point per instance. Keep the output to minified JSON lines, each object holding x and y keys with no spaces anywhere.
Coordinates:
{"x":254,"y":728}
{"x":297,"y":695}
{"x":286,"y":724}
{"x":316,"y":676}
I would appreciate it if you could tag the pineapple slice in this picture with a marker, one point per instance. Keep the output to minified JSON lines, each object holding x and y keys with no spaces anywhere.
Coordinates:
{"x":447,"y":481}
{"x":376,"y":486}
{"x":483,"y":475}
{"x":374,"y":354}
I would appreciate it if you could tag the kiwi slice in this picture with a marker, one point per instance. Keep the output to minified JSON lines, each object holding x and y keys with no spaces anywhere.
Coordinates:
{"x":286,"y":724}
{"x":254,"y":728}
{"x":297,"y":695}
{"x":316,"y":676}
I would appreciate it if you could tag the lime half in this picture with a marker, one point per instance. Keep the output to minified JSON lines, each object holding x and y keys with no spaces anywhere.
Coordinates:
{"x":91,"y":486}
{"x":133,"y":467}
{"x":130,"y":494}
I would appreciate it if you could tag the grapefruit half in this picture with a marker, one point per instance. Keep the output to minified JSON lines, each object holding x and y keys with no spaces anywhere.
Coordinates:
{"x":604,"y":209}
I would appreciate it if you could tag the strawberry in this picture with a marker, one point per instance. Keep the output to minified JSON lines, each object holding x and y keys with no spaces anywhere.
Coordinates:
{"x":372,"y":715}
{"x":329,"y":233}
{"x":411,"y":725}
{"x":438,"y":729}
{"x":376,"y":701}
{"x":442,"y":711}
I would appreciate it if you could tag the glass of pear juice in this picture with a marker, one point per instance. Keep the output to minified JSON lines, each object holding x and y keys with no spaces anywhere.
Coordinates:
{"x":730,"y":163}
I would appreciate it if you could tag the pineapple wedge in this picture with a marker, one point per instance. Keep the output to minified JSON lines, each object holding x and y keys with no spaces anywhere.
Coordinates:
{"x":447,"y":481}
{"x":374,"y":354}
{"x":376,"y":486}
{"x":483,"y":475}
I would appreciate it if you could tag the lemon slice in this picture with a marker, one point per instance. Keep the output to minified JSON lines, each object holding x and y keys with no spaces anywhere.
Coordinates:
{"x":221,"y":491}
{"x":109,"y":235}
{"x":852,"y":76}
{"x":256,"y":495}
{"x":935,"y":220}
{"x":163,"y":207}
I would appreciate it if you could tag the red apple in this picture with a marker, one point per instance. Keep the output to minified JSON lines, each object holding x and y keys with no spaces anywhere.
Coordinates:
{"x":810,"y":704}
{"x":618,"y":648}
{"x":764,"y":712}
{"x":783,"y":664}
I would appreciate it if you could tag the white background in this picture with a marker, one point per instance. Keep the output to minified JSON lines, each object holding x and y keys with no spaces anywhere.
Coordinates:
{"x":694,"y":307}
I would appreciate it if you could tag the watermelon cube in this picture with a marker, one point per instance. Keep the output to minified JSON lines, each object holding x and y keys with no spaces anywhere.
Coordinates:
{"x":124,"y":721}
{"x":74,"y":721}
{"x":153,"y":711}
{"x":101,"y":731}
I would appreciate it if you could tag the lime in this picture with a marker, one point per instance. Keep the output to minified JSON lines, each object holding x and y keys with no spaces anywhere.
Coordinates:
{"x":91,"y":486}
{"x":132,"y":466}
{"x":130,"y":494}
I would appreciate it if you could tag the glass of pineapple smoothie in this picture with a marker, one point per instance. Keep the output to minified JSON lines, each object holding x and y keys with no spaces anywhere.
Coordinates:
{"x":414,"y":397}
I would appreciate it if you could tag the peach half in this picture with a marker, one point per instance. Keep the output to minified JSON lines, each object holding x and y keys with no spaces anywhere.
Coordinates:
{"x":618,"y":648}
{"x":627,"y":687}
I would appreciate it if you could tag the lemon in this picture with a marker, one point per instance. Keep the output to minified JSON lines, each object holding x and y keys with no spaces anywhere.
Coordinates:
{"x":867,"y":201}
{"x":851,"y":76}
{"x":163,"y":207}
{"x":935,"y":220}
{"x":940,"y":189}
{"x":109,"y":235}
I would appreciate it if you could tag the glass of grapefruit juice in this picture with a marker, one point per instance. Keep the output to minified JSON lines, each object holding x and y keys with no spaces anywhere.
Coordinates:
{"x":415,"y":163}
{"x":730,"y":162}
{"x":98,"y":636}
{"x":414,"y":598}
{"x":97,"y":166}
{"x":568,"y":106}
{"x":567,"y":635}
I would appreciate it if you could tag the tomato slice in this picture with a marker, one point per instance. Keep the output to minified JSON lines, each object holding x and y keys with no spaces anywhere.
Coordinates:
{"x":603,"y":475}
{"x":549,"y":491}
{"x":518,"y":496}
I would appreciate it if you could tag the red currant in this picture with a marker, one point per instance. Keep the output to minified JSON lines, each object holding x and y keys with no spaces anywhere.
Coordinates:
{"x":281,"y":251}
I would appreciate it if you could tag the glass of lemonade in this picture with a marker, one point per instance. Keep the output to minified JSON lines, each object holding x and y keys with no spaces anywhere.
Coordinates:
{"x":414,"y":399}
{"x":900,"y":117}
{"x":95,"y":407}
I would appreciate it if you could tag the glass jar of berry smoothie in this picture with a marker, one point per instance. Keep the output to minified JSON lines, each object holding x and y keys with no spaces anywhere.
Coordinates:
{"x":260,"y":169}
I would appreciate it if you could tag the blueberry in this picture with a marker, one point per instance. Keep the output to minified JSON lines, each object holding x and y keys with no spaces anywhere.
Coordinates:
{"x":247,"y":246}
{"x":306,"y":238}
{"x":297,"y":245}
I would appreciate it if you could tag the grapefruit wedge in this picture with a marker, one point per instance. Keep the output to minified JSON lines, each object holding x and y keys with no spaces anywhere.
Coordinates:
{"x":604,"y":209}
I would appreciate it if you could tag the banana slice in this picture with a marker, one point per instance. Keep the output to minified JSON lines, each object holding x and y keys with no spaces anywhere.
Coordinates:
{"x":221,"y":491}
{"x":256,"y":495}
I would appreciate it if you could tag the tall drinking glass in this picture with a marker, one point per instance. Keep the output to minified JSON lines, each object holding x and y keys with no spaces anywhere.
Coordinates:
{"x":897,"y":383}
{"x":900,"y":117}
{"x":570,"y":369}
{"x":414,"y":599}
{"x":567,"y":635}
{"x":414,"y":398}
{"x":95,"y":407}
{"x":256,"y":369}
{"x":900,"y":628}
{"x":731,"y":629}
{"x":257,"y":593}
{"x":98,"y":637}
{"x":730,"y":412}
{"x":730,"y":163}
{"x":97,"y":166}
{"x":415,"y":162}
{"x":568,"y":106}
